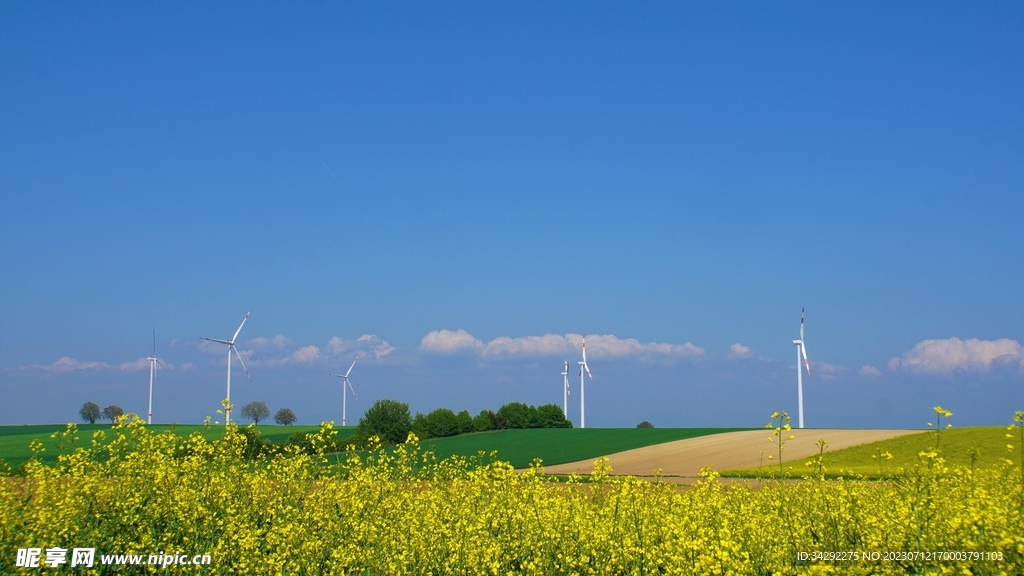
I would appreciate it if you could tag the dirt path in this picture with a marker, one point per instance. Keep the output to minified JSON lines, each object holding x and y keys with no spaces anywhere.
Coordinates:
{"x":725,"y":451}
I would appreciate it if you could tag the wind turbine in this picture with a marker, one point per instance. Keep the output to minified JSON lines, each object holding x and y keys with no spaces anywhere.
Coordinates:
{"x":583,"y":366}
{"x":152,"y":376}
{"x":801,"y":349}
{"x":346,"y":382}
{"x":231,"y":346}
{"x":565,"y":391}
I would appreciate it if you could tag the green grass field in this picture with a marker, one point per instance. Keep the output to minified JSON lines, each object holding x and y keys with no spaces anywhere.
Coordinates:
{"x":560,"y":445}
{"x":520,"y":447}
{"x":955,"y":445}
{"x":14,"y":440}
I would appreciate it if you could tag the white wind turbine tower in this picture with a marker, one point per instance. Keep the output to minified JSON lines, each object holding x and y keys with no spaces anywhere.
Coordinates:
{"x":583,"y":366}
{"x":152,"y":375}
{"x":565,"y":391}
{"x":231,"y":346}
{"x":346,"y":382}
{"x":801,"y":349}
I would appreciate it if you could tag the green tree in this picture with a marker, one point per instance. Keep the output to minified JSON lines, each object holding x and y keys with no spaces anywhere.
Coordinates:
{"x":518,"y":415}
{"x":112,"y":413}
{"x":256,"y":411}
{"x":484,"y":421}
{"x":91,"y":412}
{"x":442,"y":422}
{"x":500,"y":421}
{"x":645,"y":424}
{"x":285,"y":416}
{"x":465,"y":422}
{"x":388,"y":419}
{"x":551,"y":416}
{"x":419,"y":426}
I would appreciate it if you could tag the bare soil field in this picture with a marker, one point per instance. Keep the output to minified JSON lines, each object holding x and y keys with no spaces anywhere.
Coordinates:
{"x":685,"y":458}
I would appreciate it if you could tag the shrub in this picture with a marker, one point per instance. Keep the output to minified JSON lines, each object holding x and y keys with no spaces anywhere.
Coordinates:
{"x":301,"y":439}
{"x":388,"y":419}
{"x":645,"y":424}
{"x":254,"y":444}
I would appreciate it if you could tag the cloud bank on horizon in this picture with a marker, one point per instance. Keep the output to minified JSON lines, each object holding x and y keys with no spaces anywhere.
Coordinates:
{"x":452,"y":341}
{"x":934,"y":357}
{"x":454,"y":368}
{"x":69,"y":364}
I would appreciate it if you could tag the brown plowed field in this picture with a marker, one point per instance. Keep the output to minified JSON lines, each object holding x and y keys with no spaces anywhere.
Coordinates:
{"x":725,"y":451}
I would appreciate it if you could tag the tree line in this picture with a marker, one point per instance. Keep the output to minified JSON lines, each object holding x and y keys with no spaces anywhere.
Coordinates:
{"x":391,"y":421}
{"x":255,"y":411}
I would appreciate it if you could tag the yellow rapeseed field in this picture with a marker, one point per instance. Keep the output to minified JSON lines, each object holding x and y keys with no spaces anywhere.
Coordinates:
{"x":403,"y":512}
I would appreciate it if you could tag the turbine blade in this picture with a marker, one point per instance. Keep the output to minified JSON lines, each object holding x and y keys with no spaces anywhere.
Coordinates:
{"x":240,"y":325}
{"x":584,"y":350}
{"x":154,"y":343}
{"x":215,"y":340}
{"x":350,"y":368}
{"x":159,"y":362}
{"x":588,"y":370}
{"x":807,"y":361}
{"x":801,"y":323}
{"x":243,"y":363}
{"x":349,"y":382}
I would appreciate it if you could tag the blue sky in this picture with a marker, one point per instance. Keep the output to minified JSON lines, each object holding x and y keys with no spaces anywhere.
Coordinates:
{"x":667,"y":174}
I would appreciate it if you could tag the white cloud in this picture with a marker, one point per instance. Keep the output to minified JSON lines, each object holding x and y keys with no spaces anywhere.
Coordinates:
{"x":306,"y":354}
{"x":529,"y":345}
{"x":68,"y":364}
{"x":368,"y":343}
{"x":738,"y":350}
{"x":140,"y":364}
{"x":278,"y":341}
{"x":944,"y":357}
{"x":448,"y":341}
{"x":827,"y":371}
{"x":870,"y":371}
